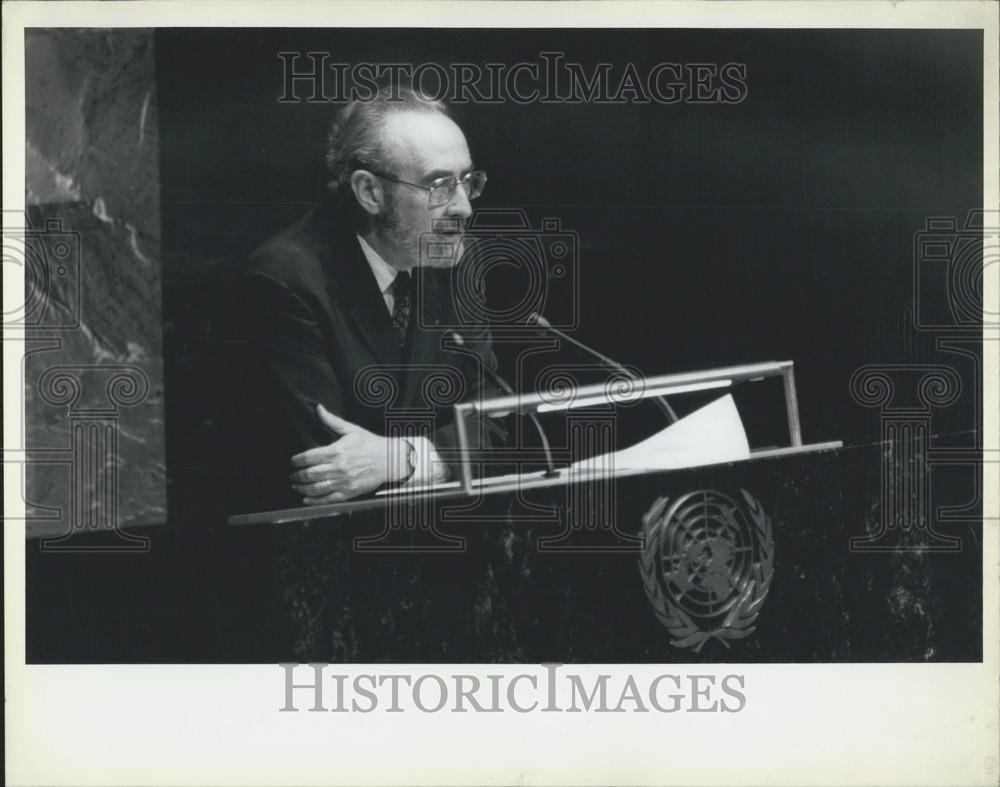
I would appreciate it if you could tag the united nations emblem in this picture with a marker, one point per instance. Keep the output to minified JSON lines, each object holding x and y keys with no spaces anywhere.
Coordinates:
{"x":707,"y":565}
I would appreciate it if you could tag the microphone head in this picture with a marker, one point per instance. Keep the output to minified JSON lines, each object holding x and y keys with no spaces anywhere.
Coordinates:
{"x":536,"y":319}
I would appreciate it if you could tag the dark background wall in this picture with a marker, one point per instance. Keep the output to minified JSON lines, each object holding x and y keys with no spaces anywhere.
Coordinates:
{"x":781,"y":227}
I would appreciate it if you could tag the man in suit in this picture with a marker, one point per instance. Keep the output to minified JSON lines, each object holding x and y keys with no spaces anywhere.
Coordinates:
{"x":344,"y":304}
{"x":353,"y":380}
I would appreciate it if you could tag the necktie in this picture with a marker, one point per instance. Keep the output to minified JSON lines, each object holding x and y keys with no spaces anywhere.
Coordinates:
{"x":401,"y":305}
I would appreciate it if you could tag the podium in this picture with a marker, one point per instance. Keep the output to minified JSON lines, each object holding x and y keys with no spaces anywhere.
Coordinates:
{"x":684,"y":552}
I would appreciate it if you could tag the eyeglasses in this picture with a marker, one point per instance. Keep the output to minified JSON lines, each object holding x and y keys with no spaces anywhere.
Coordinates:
{"x":441,"y":190}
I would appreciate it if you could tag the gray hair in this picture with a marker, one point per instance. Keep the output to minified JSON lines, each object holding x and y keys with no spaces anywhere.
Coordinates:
{"x":355,"y":140}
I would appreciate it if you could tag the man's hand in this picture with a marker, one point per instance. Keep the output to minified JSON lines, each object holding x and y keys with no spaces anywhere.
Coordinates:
{"x":357,"y":462}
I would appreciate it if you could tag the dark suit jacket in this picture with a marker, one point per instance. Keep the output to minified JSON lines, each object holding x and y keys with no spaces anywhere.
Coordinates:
{"x":315,"y":328}
{"x":318,"y":331}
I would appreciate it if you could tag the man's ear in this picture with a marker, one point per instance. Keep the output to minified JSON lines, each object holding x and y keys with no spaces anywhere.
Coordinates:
{"x":368,"y":191}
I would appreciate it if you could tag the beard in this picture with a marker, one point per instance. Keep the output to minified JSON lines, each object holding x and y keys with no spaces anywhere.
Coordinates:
{"x":420,"y":245}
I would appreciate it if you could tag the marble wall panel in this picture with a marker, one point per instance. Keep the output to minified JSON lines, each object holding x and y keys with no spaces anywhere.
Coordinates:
{"x":94,"y":380}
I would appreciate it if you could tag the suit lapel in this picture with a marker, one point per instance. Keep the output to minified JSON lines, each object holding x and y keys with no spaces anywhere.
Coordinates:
{"x":353,"y":286}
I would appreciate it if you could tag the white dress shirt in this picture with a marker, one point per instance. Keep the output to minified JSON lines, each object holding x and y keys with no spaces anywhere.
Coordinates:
{"x":427,"y":465}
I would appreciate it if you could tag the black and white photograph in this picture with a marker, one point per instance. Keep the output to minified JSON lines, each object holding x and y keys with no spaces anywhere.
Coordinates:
{"x":544,"y":364}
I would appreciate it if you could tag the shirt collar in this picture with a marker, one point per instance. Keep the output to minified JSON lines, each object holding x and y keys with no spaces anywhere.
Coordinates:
{"x":384,"y":273}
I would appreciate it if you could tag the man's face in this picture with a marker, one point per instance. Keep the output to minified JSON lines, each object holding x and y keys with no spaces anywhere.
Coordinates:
{"x":422,"y":147}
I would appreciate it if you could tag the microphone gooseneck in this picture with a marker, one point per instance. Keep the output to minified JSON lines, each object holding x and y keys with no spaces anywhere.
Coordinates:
{"x":504,"y":386}
{"x":540,"y":322}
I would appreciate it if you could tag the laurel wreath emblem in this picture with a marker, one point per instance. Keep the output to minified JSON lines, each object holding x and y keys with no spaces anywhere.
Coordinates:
{"x":738,"y":622}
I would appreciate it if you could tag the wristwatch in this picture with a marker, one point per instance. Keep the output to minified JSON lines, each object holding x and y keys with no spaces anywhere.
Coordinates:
{"x":411,"y":459}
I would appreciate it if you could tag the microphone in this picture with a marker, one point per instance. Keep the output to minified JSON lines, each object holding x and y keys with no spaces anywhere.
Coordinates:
{"x":537,"y":320}
{"x":503,"y":385}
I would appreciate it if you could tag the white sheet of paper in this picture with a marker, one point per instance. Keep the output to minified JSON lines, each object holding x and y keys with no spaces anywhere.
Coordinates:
{"x":713,"y":433}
